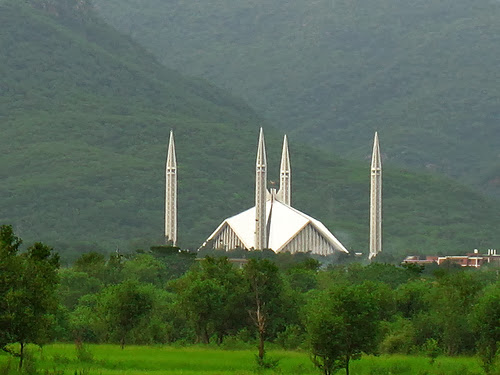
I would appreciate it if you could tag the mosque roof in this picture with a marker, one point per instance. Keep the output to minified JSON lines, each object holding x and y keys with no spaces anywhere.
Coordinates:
{"x":283,"y":224}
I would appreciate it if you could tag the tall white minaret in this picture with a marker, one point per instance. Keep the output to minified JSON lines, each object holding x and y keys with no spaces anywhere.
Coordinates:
{"x":171,"y":193}
{"x":376,"y":201}
{"x":260,"y":195}
{"x":285,"y":192}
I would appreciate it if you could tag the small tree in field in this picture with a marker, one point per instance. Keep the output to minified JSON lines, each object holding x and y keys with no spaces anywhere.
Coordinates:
{"x":125,"y":305}
{"x":265,"y":293}
{"x":341,"y":324}
{"x":211,"y":295}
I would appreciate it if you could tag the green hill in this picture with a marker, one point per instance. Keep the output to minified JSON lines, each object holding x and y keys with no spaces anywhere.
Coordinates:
{"x":85,"y":115}
{"x":422,"y":72}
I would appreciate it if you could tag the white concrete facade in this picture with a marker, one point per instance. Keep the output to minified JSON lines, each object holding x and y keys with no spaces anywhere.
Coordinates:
{"x":375,"y":200}
{"x":260,"y":195}
{"x":171,"y":193}
{"x":288,"y":229}
{"x":285,"y":191}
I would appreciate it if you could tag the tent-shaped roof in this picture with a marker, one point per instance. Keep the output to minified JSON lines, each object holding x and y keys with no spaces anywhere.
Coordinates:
{"x":283,"y":224}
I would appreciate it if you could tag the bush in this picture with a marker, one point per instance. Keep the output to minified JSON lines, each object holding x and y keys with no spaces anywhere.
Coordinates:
{"x":291,"y":338}
{"x":400,"y":337}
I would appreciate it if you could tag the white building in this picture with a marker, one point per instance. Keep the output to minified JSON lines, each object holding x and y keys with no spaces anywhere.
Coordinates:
{"x":273,"y":223}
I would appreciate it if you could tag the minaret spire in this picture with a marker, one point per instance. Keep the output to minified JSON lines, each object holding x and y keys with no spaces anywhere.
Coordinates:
{"x":285,"y":192}
{"x":171,"y":193}
{"x":260,"y":195}
{"x":376,"y":201}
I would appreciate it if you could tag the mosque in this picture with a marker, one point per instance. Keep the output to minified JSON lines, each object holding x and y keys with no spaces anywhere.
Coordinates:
{"x":272,"y":223}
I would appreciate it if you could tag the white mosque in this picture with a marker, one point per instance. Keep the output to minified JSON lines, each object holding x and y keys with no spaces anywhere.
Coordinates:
{"x":272,"y":223}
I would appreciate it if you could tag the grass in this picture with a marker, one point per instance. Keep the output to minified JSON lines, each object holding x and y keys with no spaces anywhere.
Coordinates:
{"x":139,"y":360}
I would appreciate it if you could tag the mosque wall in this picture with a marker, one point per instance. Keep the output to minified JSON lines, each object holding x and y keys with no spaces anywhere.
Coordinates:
{"x":309,"y":239}
{"x":227,"y":239}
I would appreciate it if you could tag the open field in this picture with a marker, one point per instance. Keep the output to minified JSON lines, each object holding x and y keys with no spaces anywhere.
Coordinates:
{"x":135,"y":360}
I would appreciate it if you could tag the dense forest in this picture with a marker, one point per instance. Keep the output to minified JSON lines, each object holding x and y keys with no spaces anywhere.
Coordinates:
{"x":422,"y":72}
{"x":164,"y":296}
{"x":85,"y":114}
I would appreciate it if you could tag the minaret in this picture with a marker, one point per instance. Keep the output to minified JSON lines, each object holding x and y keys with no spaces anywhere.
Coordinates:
{"x":171,"y":194}
{"x":285,"y":192}
{"x":376,"y":201}
{"x":260,"y":195}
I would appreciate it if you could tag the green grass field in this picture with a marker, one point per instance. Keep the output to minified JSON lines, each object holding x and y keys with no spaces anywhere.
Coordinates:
{"x":134,"y":360}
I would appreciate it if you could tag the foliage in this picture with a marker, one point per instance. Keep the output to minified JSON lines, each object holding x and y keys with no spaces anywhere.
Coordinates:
{"x":265,"y":299}
{"x":398,"y":336}
{"x":175,"y":260}
{"x":28,"y":298}
{"x":341,"y":324}
{"x":487,"y":323}
{"x":348,"y":310}
{"x":125,"y":305}
{"x":431,"y":349}
{"x":453,"y":298}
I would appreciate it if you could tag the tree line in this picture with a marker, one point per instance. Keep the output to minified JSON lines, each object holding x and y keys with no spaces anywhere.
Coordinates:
{"x":164,"y":295}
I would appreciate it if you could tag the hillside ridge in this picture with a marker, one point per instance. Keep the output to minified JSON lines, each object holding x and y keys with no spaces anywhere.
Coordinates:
{"x":422,"y":72}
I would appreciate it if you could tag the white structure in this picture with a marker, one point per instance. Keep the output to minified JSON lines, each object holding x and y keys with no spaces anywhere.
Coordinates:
{"x":272,"y":223}
{"x":285,"y":192}
{"x":171,"y":193}
{"x":376,"y":201}
{"x":260,"y":241}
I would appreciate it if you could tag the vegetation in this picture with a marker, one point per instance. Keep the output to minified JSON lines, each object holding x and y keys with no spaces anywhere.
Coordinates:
{"x":28,"y":300}
{"x":339,"y":314}
{"x":342,"y":324}
{"x":140,"y":360}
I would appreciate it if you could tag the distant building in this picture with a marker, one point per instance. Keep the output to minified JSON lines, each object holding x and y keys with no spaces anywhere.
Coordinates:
{"x":469,"y":260}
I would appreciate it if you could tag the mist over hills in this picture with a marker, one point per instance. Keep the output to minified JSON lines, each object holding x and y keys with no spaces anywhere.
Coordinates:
{"x":85,"y":114}
{"x":422,"y":72}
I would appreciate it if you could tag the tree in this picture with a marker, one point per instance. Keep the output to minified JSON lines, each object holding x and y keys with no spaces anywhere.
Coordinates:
{"x":212,"y":296}
{"x":28,"y":286}
{"x":486,"y":317}
{"x":74,"y":285}
{"x":10,"y":269}
{"x":93,"y":264}
{"x":176,"y":261}
{"x":341,"y":323}
{"x":146,"y":269}
{"x":124,"y":306}
{"x":452,"y":300}
{"x":265,"y":294}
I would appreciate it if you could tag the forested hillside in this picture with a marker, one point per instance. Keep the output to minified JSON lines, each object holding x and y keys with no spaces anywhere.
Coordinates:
{"x":422,"y":72}
{"x":85,"y":115}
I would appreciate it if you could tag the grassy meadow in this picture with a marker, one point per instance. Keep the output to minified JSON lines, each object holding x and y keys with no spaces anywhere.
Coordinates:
{"x":134,"y":360}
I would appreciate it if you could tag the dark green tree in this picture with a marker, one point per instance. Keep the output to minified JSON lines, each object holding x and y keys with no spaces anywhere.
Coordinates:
{"x":452,"y":300}
{"x":342,"y":323}
{"x":28,"y":299}
{"x":74,"y":285}
{"x":125,"y":305}
{"x":10,"y":269}
{"x":93,"y":264}
{"x":176,"y":261}
{"x":212,"y":296}
{"x":486,"y":317}
{"x":265,"y":293}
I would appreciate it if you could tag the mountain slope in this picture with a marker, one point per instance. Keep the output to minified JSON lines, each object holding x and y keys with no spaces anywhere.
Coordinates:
{"x":424,"y":73}
{"x":85,"y":115}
